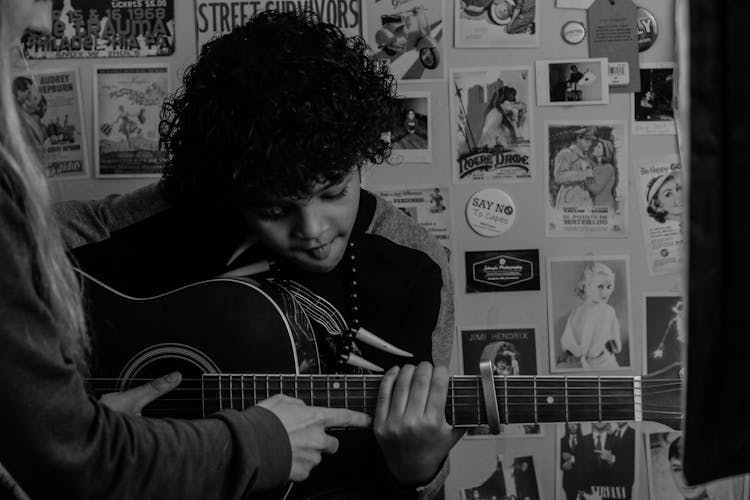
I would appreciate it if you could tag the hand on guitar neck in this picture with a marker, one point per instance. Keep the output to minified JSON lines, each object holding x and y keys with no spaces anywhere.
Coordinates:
{"x":410,"y":423}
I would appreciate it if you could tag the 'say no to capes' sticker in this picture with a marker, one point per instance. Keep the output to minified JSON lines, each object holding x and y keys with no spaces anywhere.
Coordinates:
{"x":490,"y":212}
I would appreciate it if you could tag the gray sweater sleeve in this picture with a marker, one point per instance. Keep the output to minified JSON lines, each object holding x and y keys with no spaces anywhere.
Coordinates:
{"x":57,"y":442}
{"x":83,"y":222}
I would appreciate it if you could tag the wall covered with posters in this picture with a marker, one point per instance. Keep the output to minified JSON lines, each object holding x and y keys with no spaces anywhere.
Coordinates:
{"x":551,"y":176}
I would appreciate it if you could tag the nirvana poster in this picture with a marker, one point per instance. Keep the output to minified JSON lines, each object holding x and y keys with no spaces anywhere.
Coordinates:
{"x":109,"y":28}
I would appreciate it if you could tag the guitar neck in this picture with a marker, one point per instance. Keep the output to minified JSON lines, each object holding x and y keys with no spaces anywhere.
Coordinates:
{"x":520,"y":399}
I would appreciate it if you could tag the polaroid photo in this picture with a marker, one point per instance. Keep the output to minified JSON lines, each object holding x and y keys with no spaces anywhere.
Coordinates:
{"x":428,"y":205}
{"x":496,"y":23}
{"x":589,"y":313}
{"x":127,"y":106}
{"x":652,"y":111}
{"x":596,"y":459}
{"x":410,"y":136}
{"x":664,"y":317}
{"x":665,"y":477}
{"x":572,"y":82}
{"x":510,"y":479}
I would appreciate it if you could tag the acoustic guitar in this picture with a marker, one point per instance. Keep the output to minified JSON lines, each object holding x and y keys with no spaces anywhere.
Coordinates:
{"x":237,"y":342}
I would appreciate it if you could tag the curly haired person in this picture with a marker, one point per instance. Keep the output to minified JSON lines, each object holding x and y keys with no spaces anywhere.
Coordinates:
{"x":266,"y":141}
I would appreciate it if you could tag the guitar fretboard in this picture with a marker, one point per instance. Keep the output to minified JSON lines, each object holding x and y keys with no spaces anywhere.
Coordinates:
{"x":519,"y":399}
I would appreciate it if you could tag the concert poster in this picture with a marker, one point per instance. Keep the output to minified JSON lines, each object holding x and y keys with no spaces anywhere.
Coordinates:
{"x":492,"y":124}
{"x":493,"y":24}
{"x":665,"y":477}
{"x":661,"y":201}
{"x":408,"y":36}
{"x":410,"y":136}
{"x":652,"y":107}
{"x":572,"y":82}
{"x":596,"y":459}
{"x":502,"y":271}
{"x":589,"y":313}
{"x":427,"y":205}
{"x":127,"y":103}
{"x":51,"y":113}
{"x":586,"y":179}
{"x":105,"y":28}
{"x":508,"y":478}
{"x":217,"y":17}
{"x":664,"y":324}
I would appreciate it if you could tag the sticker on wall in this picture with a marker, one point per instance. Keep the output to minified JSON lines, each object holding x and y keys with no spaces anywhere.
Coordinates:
{"x":490,"y":212}
{"x":502,"y":271}
{"x":573,"y":32}
{"x":106,"y":28}
{"x":648,"y":29}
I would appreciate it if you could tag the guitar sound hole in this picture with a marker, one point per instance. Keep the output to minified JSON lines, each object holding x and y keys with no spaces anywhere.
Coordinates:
{"x":182,"y":402}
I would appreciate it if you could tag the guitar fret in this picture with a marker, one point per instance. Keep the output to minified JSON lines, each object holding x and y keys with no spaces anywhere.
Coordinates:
{"x":328,"y":391}
{"x":599,"y":386}
{"x":281,"y":384}
{"x":242,"y":388}
{"x":505,"y":383}
{"x":479,"y":398}
{"x":231,"y":394}
{"x":221,"y":395}
{"x":453,"y":401}
{"x":536,"y":416}
{"x":567,"y":415}
{"x":255,"y":390}
{"x":268,"y":381}
{"x":203,"y":396}
{"x":312,"y":393}
{"x":346,"y":393}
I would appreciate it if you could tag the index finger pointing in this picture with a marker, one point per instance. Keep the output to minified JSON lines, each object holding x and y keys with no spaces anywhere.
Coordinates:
{"x":339,"y":417}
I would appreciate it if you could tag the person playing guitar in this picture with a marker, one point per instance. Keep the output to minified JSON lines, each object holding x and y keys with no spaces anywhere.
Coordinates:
{"x":265,"y":143}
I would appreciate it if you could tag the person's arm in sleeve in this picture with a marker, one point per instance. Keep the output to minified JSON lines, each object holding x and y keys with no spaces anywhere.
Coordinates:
{"x":89,"y":221}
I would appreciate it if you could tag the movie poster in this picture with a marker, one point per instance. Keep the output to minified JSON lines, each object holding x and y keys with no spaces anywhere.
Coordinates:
{"x":409,"y":37}
{"x":665,"y":476}
{"x":589,"y":313}
{"x":106,"y":28}
{"x":410,"y":136}
{"x":426,"y":205}
{"x":51,"y":113}
{"x":491,"y":124}
{"x":500,"y":24}
{"x":652,"y":107}
{"x":664,"y":324}
{"x":586,"y":179}
{"x":127,"y":103}
{"x":597,"y":460}
{"x":516,"y":478}
{"x":660,"y":198}
{"x":218,"y":17}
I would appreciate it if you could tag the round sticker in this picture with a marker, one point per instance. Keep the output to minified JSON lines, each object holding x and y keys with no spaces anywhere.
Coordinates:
{"x":648,"y":30}
{"x":490,"y":212}
{"x":573,"y":32}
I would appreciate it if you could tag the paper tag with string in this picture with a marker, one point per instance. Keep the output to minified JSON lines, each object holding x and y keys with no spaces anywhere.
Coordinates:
{"x":613,"y":33}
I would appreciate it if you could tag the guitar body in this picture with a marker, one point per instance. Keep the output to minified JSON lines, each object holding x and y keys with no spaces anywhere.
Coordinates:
{"x":216,"y":326}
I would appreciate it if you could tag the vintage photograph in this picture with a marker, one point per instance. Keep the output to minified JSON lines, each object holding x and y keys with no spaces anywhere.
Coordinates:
{"x":572,"y":82}
{"x":410,"y":137}
{"x":660,"y":198}
{"x":587,"y":179}
{"x":596,"y":460}
{"x":491,"y":124}
{"x":127,"y":103}
{"x":218,"y":17}
{"x":665,"y":476}
{"x":427,"y":205}
{"x":515,"y":479}
{"x":517,"y":354}
{"x":664,"y":318}
{"x":496,"y":23}
{"x":652,"y":107}
{"x":589,"y":313}
{"x":409,"y":36}
{"x":105,"y":28}
{"x":51,"y":113}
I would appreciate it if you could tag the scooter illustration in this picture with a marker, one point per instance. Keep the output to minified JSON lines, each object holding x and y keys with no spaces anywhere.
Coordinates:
{"x":498,"y":11}
{"x":408,"y":30}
